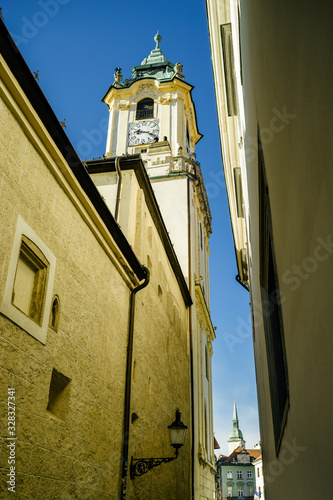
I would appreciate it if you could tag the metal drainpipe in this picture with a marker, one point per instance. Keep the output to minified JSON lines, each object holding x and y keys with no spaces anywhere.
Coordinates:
{"x":190,"y":328}
{"x":116,"y":211}
{"x":128,"y":383}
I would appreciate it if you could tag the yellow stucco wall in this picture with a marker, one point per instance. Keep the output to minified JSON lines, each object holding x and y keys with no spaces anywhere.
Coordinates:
{"x":78,"y":455}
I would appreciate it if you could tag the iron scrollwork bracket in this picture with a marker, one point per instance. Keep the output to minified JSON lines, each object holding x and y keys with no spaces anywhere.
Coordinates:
{"x":140,"y":466}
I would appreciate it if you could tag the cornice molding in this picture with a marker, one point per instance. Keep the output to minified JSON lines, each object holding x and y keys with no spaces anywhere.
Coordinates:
{"x":203,"y":199}
{"x":134,"y":162}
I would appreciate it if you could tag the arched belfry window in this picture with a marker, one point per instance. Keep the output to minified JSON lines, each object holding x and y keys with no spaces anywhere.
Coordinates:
{"x":145,"y":109}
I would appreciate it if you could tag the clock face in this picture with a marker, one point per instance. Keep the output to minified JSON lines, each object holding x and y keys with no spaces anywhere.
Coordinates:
{"x":143,"y":132}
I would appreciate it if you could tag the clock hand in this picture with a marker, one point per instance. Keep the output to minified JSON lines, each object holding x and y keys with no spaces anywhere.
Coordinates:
{"x":145,"y":132}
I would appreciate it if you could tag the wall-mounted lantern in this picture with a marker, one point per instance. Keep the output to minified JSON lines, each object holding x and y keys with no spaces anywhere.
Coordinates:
{"x":177,"y":431}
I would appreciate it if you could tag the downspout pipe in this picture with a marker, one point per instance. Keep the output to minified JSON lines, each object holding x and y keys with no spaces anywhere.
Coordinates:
{"x":128,"y":383}
{"x":119,"y":180}
{"x":191,"y":338}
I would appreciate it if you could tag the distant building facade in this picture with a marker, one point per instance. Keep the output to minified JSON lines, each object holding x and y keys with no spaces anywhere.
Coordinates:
{"x":259,"y":493}
{"x":273,"y":117}
{"x":236,"y":472}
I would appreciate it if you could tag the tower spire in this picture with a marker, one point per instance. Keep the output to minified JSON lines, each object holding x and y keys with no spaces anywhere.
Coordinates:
{"x":236,"y":437}
{"x":157,"y":39}
{"x":235,"y":416}
{"x":156,"y":55}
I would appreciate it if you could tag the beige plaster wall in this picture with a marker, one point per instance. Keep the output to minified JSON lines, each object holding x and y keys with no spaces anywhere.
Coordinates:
{"x":78,"y":456}
{"x":161,"y":381}
{"x":161,"y":353}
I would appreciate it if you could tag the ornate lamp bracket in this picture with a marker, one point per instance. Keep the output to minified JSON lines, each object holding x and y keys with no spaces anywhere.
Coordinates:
{"x":140,"y":466}
{"x":177,"y":431}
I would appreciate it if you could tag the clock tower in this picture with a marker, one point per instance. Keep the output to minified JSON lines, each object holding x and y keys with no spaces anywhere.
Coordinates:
{"x":155,"y":105}
{"x":152,"y":114}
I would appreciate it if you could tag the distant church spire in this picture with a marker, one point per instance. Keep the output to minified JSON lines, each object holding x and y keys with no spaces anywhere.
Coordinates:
{"x":236,"y":436}
{"x":235,"y":416}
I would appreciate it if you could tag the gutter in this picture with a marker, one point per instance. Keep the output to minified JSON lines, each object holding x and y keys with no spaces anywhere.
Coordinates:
{"x":134,"y":162}
{"x":239,"y":280}
{"x":191,"y":339}
{"x":116,"y":210}
{"x":128,"y":383}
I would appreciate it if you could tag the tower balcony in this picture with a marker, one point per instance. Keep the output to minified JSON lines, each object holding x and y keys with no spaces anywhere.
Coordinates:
{"x":182,"y":163}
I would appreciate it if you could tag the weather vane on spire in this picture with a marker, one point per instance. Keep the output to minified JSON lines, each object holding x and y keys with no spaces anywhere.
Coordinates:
{"x":157,"y":39}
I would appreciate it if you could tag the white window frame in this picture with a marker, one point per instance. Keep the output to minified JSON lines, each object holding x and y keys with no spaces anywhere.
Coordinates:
{"x":229,"y":474}
{"x":249,"y":474}
{"x":38,"y":331}
{"x":239,"y":474}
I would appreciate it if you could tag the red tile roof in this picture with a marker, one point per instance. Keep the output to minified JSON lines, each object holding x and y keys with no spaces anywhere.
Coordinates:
{"x":255,"y":453}
{"x":216,"y":444}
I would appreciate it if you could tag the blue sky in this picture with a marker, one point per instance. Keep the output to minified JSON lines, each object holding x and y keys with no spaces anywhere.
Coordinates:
{"x":76,"y":45}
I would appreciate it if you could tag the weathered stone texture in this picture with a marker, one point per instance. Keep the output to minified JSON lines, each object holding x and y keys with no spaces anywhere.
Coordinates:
{"x":76,"y":457}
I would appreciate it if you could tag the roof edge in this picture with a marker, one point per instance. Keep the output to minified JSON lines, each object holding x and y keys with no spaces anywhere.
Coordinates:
{"x":38,"y":101}
{"x":134,"y":162}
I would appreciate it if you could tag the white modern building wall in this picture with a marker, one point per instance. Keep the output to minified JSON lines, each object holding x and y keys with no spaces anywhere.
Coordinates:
{"x":273,"y":86}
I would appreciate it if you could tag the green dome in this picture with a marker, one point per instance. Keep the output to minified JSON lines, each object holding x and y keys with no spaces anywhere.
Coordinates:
{"x":236,"y":434}
{"x":155,"y":66}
